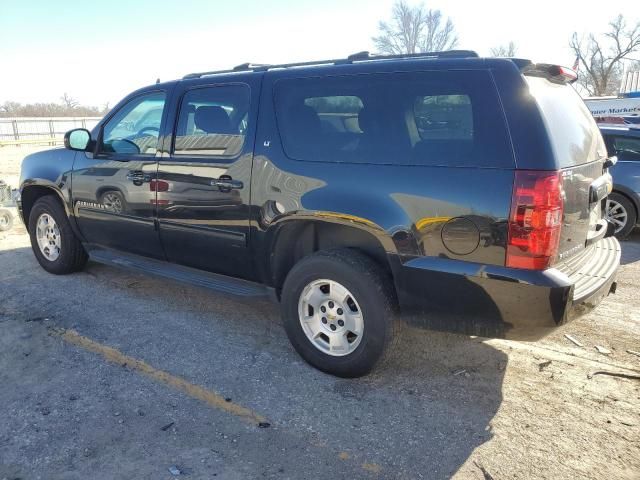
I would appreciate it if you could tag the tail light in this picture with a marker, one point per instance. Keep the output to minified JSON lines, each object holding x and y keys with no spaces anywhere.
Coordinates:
{"x":553,"y":73}
{"x":535,"y":219}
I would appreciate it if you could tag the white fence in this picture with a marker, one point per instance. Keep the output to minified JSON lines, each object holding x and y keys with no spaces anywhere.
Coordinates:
{"x":44,"y":130}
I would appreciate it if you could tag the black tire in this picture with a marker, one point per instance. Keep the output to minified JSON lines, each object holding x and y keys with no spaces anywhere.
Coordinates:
{"x":72,"y":256}
{"x":632,"y":216}
{"x":6,"y":220}
{"x":372,"y":289}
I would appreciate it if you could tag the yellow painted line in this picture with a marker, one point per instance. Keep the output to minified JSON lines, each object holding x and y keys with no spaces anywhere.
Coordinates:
{"x":372,"y":467}
{"x":209,"y":397}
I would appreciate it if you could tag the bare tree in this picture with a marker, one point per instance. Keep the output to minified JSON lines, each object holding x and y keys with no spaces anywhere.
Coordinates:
{"x":415,"y":30}
{"x":68,"y":101}
{"x":508,"y":50}
{"x":601,"y":57}
{"x":9,"y":109}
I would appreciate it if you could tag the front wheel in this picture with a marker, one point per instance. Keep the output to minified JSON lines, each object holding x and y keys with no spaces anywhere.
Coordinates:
{"x":53,"y":242}
{"x":337,"y":310}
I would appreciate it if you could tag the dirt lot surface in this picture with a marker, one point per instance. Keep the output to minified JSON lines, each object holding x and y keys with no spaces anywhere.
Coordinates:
{"x":109,"y":374}
{"x":78,"y":401}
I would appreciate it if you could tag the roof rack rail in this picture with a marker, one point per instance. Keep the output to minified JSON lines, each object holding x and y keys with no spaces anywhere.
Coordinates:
{"x":363,"y":56}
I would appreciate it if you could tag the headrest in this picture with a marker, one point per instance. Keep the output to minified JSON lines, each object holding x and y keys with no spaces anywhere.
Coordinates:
{"x":212,"y":119}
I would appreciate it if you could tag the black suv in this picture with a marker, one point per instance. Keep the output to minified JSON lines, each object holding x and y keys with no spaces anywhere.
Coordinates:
{"x":463,"y":193}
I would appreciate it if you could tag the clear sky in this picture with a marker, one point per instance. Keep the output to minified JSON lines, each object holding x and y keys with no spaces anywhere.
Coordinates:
{"x":98,"y":51}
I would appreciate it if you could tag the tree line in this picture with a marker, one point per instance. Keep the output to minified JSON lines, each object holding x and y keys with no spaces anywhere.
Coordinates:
{"x":67,"y":107}
{"x":599,"y":57}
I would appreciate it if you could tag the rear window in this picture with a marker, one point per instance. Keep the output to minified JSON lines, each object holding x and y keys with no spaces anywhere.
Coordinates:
{"x":421,"y":118}
{"x":574,"y":135}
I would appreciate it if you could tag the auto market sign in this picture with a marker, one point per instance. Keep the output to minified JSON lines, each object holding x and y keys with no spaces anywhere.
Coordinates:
{"x":619,"y":107}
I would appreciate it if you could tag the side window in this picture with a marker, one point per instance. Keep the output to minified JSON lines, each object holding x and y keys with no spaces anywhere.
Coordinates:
{"x":627,"y":147}
{"x":444,"y":117}
{"x":135,"y":128}
{"x":436,"y":118}
{"x":213,"y":121}
{"x":337,"y":113}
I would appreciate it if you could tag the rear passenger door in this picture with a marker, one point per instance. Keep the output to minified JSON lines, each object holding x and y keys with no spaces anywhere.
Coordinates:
{"x":203,"y":187}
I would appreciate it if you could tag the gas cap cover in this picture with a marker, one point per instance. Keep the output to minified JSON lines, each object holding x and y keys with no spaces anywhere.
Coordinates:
{"x":460,"y":236}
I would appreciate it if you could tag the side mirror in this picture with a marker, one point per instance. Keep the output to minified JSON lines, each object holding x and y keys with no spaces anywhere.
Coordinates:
{"x":77,"y":139}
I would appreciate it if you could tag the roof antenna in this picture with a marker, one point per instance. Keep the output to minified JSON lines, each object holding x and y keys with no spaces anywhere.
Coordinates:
{"x":157,"y":81}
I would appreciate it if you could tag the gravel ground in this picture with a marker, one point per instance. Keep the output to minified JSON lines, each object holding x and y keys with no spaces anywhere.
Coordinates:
{"x":72,"y":411}
{"x":110,"y":374}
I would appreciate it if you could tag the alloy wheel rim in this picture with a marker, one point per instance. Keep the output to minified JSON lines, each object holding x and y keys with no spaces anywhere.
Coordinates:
{"x":330,"y":317}
{"x":616,"y":213}
{"x":48,"y":237}
{"x":4,"y":220}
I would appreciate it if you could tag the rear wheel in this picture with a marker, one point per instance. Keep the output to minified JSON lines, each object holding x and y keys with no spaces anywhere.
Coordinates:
{"x":337,"y":310}
{"x":622,"y":213}
{"x":53,"y":242}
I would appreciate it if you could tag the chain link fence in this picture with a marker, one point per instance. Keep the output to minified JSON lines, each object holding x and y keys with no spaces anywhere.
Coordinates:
{"x":40,"y":130}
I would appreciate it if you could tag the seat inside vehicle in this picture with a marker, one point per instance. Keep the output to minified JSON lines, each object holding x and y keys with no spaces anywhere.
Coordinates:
{"x":206,"y":130}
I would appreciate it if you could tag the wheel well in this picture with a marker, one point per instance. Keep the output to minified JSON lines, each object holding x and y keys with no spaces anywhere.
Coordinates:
{"x":296,"y":241}
{"x":30,"y":196}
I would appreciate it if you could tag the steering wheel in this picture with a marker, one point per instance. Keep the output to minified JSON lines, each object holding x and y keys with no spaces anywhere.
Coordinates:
{"x":144,"y":129}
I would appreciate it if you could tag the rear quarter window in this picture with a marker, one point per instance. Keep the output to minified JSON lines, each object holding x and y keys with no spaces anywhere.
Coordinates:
{"x":434,"y":118}
{"x":573,"y":132}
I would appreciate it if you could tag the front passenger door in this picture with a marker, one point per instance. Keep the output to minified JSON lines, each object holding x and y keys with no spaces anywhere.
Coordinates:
{"x":114,"y":189}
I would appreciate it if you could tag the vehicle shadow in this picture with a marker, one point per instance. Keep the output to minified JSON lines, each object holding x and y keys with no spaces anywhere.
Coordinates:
{"x":446,"y":390}
{"x":631,"y":248}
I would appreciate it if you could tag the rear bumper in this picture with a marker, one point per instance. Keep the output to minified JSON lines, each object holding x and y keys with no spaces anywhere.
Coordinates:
{"x":497,"y":301}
